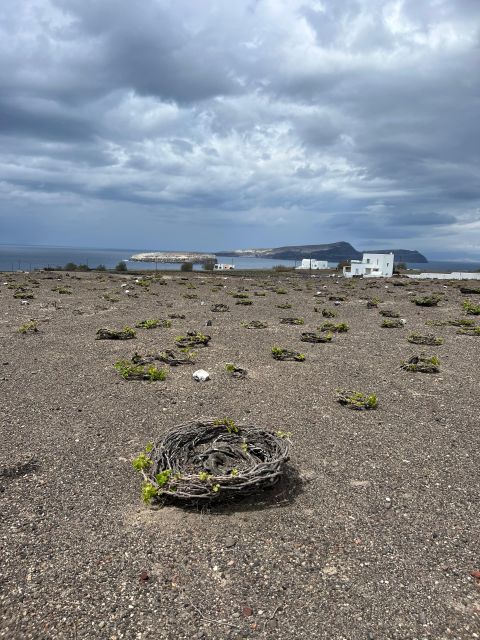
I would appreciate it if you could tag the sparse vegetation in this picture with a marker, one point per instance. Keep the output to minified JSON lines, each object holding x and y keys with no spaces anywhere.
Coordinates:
{"x":28,"y":327}
{"x":469,"y":331}
{"x":234,"y":371}
{"x":193,"y":339}
{"x":316,"y":337}
{"x":329,"y":313}
{"x":127,"y":333}
{"x":63,"y":290}
{"x":153,"y":324}
{"x":186,"y":266}
{"x":357,"y":400}
{"x":389,"y":313}
{"x":422,"y":363}
{"x":228,"y":423}
{"x":278,"y":353}
{"x":131,"y":371}
{"x":341,"y":327}
{"x":427,"y":301}
{"x":393,"y":323}
{"x":416,"y":338}
{"x":295,"y":321}
{"x":254,"y":324}
{"x":471,"y":309}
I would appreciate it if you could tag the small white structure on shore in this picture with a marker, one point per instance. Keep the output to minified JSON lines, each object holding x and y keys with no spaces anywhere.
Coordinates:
{"x":223,"y":267}
{"x":372,"y":265}
{"x":310,"y":263}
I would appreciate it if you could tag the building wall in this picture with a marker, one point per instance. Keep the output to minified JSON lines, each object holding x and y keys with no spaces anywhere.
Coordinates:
{"x":372,"y":265}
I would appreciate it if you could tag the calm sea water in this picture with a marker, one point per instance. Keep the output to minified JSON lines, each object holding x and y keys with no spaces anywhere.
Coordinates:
{"x":26,"y":258}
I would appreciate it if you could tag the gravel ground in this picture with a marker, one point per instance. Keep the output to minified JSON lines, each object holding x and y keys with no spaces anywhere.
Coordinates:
{"x":374,"y":534}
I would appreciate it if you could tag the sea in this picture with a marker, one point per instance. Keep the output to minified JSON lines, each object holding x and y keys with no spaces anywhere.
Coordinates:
{"x":29,"y":258}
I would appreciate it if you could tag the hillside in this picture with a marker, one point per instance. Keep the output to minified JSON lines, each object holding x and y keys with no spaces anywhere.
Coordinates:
{"x":402,"y":255}
{"x":333,"y":252}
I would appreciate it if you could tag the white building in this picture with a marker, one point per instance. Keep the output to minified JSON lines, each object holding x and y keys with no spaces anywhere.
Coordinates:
{"x":372,"y":265}
{"x":308,"y":263}
{"x":223,"y":267}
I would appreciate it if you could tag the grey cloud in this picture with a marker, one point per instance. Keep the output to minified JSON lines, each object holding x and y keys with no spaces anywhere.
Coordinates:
{"x":342,"y":118}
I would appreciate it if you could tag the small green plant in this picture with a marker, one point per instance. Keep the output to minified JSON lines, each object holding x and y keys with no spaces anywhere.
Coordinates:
{"x":148,"y":490}
{"x":142,"y":461}
{"x":153,"y":323}
{"x":254,"y":324}
{"x":316,"y":337}
{"x":131,"y":371}
{"x":245,"y":303}
{"x":163,"y":477}
{"x":234,"y":472}
{"x":216,"y":488}
{"x":285,"y":305}
{"x":285,"y":435}
{"x":329,"y":313}
{"x":63,"y":290}
{"x":259,"y":293}
{"x":393,"y":323}
{"x":357,"y":400}
{"x":148,"y":324}
{"x":294,"y":321}
{"x":422,"y":363}
{"x":469,"y":331}
{"x":23,"y":294}
{"x":127,"y":333}
{"x":341,"y":327}
{"x":143,"y":282}
{"x":427,"y":301}
{"x":121,"y":267}
{"x":203,"y":476}
{"x":416,"y":338}
{"x":471,"y":309}
{"x":279,"y":353}
{"x":389,"y":313}
{"x":230,"y":367}
{"x":281,"y":292}
{"x":373,"y":303}
{"x":228,"y":423}
{"x":109,"y":297}
{"x":241,"y":296}
{"x":28,"y":327}
{"x":193,"y":338}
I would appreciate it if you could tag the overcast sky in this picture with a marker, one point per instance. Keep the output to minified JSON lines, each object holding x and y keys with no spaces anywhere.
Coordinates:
{"x":210,"y":124}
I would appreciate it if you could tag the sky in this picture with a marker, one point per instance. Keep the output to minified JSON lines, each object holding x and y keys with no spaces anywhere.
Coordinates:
{"x":222,"y":124}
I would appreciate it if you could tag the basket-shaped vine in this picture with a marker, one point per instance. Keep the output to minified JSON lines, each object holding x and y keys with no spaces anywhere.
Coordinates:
{"x":212,"y":460}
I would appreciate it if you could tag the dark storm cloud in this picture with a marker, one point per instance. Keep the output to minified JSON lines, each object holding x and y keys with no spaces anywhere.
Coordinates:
{"x":302,"y":119}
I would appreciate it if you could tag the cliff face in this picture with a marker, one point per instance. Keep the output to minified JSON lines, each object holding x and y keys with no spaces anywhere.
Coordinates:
{"x":333,"y":252}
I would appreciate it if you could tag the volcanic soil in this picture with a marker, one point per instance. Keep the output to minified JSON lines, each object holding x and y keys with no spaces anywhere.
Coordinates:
{"x":374,"y":533}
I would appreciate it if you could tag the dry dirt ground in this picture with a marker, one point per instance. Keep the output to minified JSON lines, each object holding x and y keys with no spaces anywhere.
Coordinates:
{"x":375,"y":535}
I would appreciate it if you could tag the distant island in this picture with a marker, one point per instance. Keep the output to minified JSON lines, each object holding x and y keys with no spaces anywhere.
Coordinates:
{"x":173,"y":257}
{"x":333,"y":252}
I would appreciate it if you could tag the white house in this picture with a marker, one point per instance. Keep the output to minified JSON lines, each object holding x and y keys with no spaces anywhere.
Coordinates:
{"x":223,"y":267}
{"x":372,"y":265}
{"x":308,"y":263}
